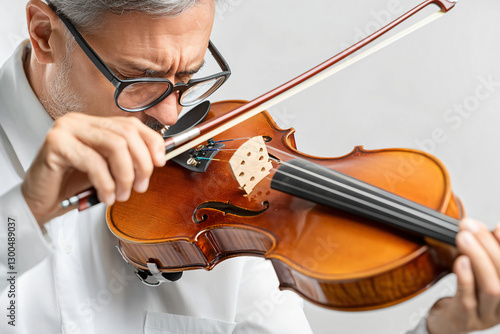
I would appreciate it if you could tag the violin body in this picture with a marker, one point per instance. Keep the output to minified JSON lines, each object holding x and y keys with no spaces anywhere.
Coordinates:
{"x":188,"y":220}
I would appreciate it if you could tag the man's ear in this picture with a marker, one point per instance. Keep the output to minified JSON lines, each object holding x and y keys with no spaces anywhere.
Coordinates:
{"x":42,"y":24}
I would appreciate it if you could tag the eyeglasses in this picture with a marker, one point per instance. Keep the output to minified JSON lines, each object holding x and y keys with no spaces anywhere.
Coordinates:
{"x":139,"y":94}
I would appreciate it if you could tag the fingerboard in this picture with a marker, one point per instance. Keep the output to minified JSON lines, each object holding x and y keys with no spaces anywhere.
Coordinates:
{"x":325,"y":186}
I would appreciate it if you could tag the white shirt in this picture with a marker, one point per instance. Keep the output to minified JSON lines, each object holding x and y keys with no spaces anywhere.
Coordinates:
{"x":73,"y":280}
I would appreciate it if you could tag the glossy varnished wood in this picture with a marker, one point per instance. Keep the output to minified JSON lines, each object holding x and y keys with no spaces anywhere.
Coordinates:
{"x":330,"y":257}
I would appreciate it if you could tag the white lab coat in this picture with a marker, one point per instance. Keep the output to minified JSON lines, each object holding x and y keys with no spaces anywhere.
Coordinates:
{"x":72,"y":279}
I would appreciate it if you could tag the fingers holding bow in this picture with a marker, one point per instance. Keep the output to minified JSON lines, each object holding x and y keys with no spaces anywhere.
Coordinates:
{"x":114,"y":155}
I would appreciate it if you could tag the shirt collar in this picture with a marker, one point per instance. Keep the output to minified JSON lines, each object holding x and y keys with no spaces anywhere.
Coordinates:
{"x":22,"y":116}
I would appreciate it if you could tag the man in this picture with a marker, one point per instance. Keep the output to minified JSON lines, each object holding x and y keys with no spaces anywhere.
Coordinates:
{"x":64,"y":129}
{"x":67,"y":275}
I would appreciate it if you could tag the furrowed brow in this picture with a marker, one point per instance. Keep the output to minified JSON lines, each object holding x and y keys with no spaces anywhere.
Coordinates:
{"x":143,"y":71}
{"x":136,"y":68}
{"x":193,"y":71}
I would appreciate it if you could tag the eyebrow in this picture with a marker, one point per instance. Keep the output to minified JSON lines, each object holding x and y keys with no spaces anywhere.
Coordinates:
{"x":153,"y":73}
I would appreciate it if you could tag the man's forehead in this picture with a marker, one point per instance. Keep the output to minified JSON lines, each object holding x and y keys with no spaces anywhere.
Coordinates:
{"x":158,"y":56}
{"x":142,"y":43}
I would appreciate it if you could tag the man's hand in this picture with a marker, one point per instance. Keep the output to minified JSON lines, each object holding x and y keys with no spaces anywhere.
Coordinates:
{"x":113,"y":154}
{"x":476,"y":305}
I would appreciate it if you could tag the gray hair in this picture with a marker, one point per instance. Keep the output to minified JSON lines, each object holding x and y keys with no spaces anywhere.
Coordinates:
{"x":85,"y":14}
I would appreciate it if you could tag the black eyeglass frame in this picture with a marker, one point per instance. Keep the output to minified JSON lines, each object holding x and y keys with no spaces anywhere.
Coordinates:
{"x":120,"y":84}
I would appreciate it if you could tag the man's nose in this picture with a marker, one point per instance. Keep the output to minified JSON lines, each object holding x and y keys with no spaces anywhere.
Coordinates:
{"x":166,"y":111}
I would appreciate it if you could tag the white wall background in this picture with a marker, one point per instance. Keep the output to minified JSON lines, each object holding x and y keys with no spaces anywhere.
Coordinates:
{"x":396,"y":98}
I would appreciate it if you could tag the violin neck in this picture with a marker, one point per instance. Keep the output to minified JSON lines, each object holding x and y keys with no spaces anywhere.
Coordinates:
{"x":322,"y":185}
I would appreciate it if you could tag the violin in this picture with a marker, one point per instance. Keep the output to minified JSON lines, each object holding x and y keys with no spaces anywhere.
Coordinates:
{"x":343,"y":259}
{"x":363,"y":231}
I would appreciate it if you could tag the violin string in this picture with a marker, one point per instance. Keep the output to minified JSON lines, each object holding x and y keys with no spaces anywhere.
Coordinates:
{"x":432,"y":221}
{"x":356,"y":208}
{"x":449,"y":226}
{"x":218,"y":149}
{"x":211,"y":159}
{"x":428,"y":220}
{"x":401,"y":217}
{"x":425,"y":217}
{"x":234,"y":139}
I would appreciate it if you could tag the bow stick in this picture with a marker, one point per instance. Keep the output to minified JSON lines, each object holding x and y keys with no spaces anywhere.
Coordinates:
{"x":199,"y":134}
